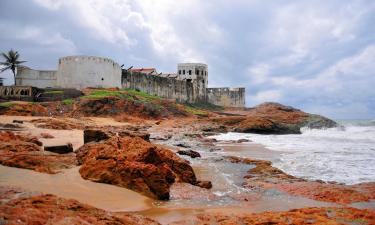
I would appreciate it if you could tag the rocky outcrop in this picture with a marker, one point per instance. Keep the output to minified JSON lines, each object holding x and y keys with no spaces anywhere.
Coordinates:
{"x":271,"y":118}
{"x":134,"y":163}
{"x":265,"y":176}
{"x":191,"y":153}
{"x":50,"y":209}
{"x":328,"y":215}
{"x":96,"y":135}
{"x":24,"y":110}
{"x":57,"y":124}
{"x":25,"y":152}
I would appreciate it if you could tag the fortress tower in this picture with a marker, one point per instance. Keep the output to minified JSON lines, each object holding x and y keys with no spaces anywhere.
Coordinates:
{"x":197,"y":75}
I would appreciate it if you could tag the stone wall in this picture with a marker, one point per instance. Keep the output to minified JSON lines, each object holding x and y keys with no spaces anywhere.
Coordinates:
{"x":37,"y":78}
{"x":180,"y":90}
{"x":227,"y":97}
{"x":88,"y":71}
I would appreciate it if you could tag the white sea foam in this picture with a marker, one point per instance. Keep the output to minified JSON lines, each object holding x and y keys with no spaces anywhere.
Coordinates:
{"x":345,"y":154}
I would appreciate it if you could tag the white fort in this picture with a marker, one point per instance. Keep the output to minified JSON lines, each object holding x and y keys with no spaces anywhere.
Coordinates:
{"x":188,"y":84}
{"x":74,"y":72}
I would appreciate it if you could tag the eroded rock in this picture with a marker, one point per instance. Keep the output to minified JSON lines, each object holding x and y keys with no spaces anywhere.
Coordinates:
{"x":134,"y":163}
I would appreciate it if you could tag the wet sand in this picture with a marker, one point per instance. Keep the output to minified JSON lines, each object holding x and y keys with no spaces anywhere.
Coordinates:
{"x":69,"y":184}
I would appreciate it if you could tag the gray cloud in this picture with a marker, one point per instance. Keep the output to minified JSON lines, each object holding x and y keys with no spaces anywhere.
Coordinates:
{"x":316,"y":55}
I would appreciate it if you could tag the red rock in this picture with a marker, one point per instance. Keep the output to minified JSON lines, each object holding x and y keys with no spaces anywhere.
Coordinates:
{"x":24,"y":152}
{"x":134,"y":163}
{"x":49,"y":209}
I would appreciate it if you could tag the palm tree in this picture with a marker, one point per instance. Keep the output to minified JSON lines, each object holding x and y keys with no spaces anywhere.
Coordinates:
{"x":11,"y":62}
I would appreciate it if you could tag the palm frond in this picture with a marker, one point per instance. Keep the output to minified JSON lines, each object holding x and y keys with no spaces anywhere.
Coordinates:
{"x":5,"y":68}
{"x":6,"y":57}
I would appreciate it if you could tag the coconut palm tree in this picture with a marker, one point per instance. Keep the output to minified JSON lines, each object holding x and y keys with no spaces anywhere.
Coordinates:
{"x":11,"y":62}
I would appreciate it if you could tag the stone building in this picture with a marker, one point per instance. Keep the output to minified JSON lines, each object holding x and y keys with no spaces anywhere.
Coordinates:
{"x":188,"y":84}
{"x":73,"y":72}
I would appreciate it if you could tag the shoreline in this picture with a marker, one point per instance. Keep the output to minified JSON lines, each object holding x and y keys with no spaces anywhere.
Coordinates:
{"x":239,"y":199}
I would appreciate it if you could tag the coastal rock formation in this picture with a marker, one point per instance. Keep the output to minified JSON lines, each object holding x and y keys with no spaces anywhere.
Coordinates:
{"x":296,"y":216}
{"x":57,"y":124}
{"x":50,"y":209}
{"x":25,"y":109}
{"x":96,"y":135}
{"x":134,"y":163}
{"x":25,"y":152}
{"x":265,"y":176}
{"x":271,"y":118}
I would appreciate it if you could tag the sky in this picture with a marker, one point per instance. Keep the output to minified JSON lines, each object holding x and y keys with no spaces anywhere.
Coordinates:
{"x":316,"y":55}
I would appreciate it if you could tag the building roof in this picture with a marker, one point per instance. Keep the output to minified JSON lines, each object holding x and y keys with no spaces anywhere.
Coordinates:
{"x":143,"y":70}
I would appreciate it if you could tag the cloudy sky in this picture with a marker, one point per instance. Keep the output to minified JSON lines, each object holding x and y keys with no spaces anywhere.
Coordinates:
{"x":315,"y":55}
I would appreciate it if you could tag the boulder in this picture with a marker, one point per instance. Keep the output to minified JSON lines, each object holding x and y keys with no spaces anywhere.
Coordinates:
{"x":134,"y":163}
{"x":271,"y":118}
{"x":60,"y":149}
{"x":19,"y":207}
{"x":95,"y":135}
{"x":191,"y":153}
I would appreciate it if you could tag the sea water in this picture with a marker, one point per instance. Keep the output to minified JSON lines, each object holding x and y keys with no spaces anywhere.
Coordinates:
{"x":345,"y":154}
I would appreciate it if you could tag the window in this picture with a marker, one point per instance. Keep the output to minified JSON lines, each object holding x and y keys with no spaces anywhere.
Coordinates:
{"x":179,"y":72}
{"x":196,"y":72}
{"x":183,"y":72}
{"x":205,"y":73}
{"x":189,"y":72}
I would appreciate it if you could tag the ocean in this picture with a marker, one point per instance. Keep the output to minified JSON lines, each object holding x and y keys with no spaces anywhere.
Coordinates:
{"x":345,"y":154}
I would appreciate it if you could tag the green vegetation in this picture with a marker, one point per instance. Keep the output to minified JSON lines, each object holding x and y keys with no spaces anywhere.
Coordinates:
{"x":129,"y":94}
{"x":6,"y":104}
{"x":141,"y":95}
{"x":195,"y":111}
{"x":54,"y":92}
{"x":104,"y":94}
{"x":68,"y":101}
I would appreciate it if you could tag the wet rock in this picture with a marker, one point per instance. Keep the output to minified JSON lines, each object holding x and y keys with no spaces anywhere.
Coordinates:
{"x":183,"y":145}
{"x":242,"y":140}
{"x":50,"y":209}
{"x":60,"y":149}
{"x":134,"y":163}
{"x":25,"y":152}
{"x":162,"y":138}
{"x":313,"y":215}
{"x":215,"y":149}
{"x":191,"y":153}
{"x":204,"y":184}
{"x":94,"y":136}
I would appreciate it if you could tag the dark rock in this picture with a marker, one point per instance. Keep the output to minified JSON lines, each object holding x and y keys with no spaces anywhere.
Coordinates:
{"x":94,"y":136}
{"x":204,"y":184}
{"x":182,"y":145}
{"x":60,"y":149}
{"x":191,"y":153}
{"x":18,"y":121}
{"x":242,"y":140}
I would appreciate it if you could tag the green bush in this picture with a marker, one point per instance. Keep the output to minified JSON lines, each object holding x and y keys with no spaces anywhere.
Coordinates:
{"x":6,"y":104}
{"x":68,"y":101}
